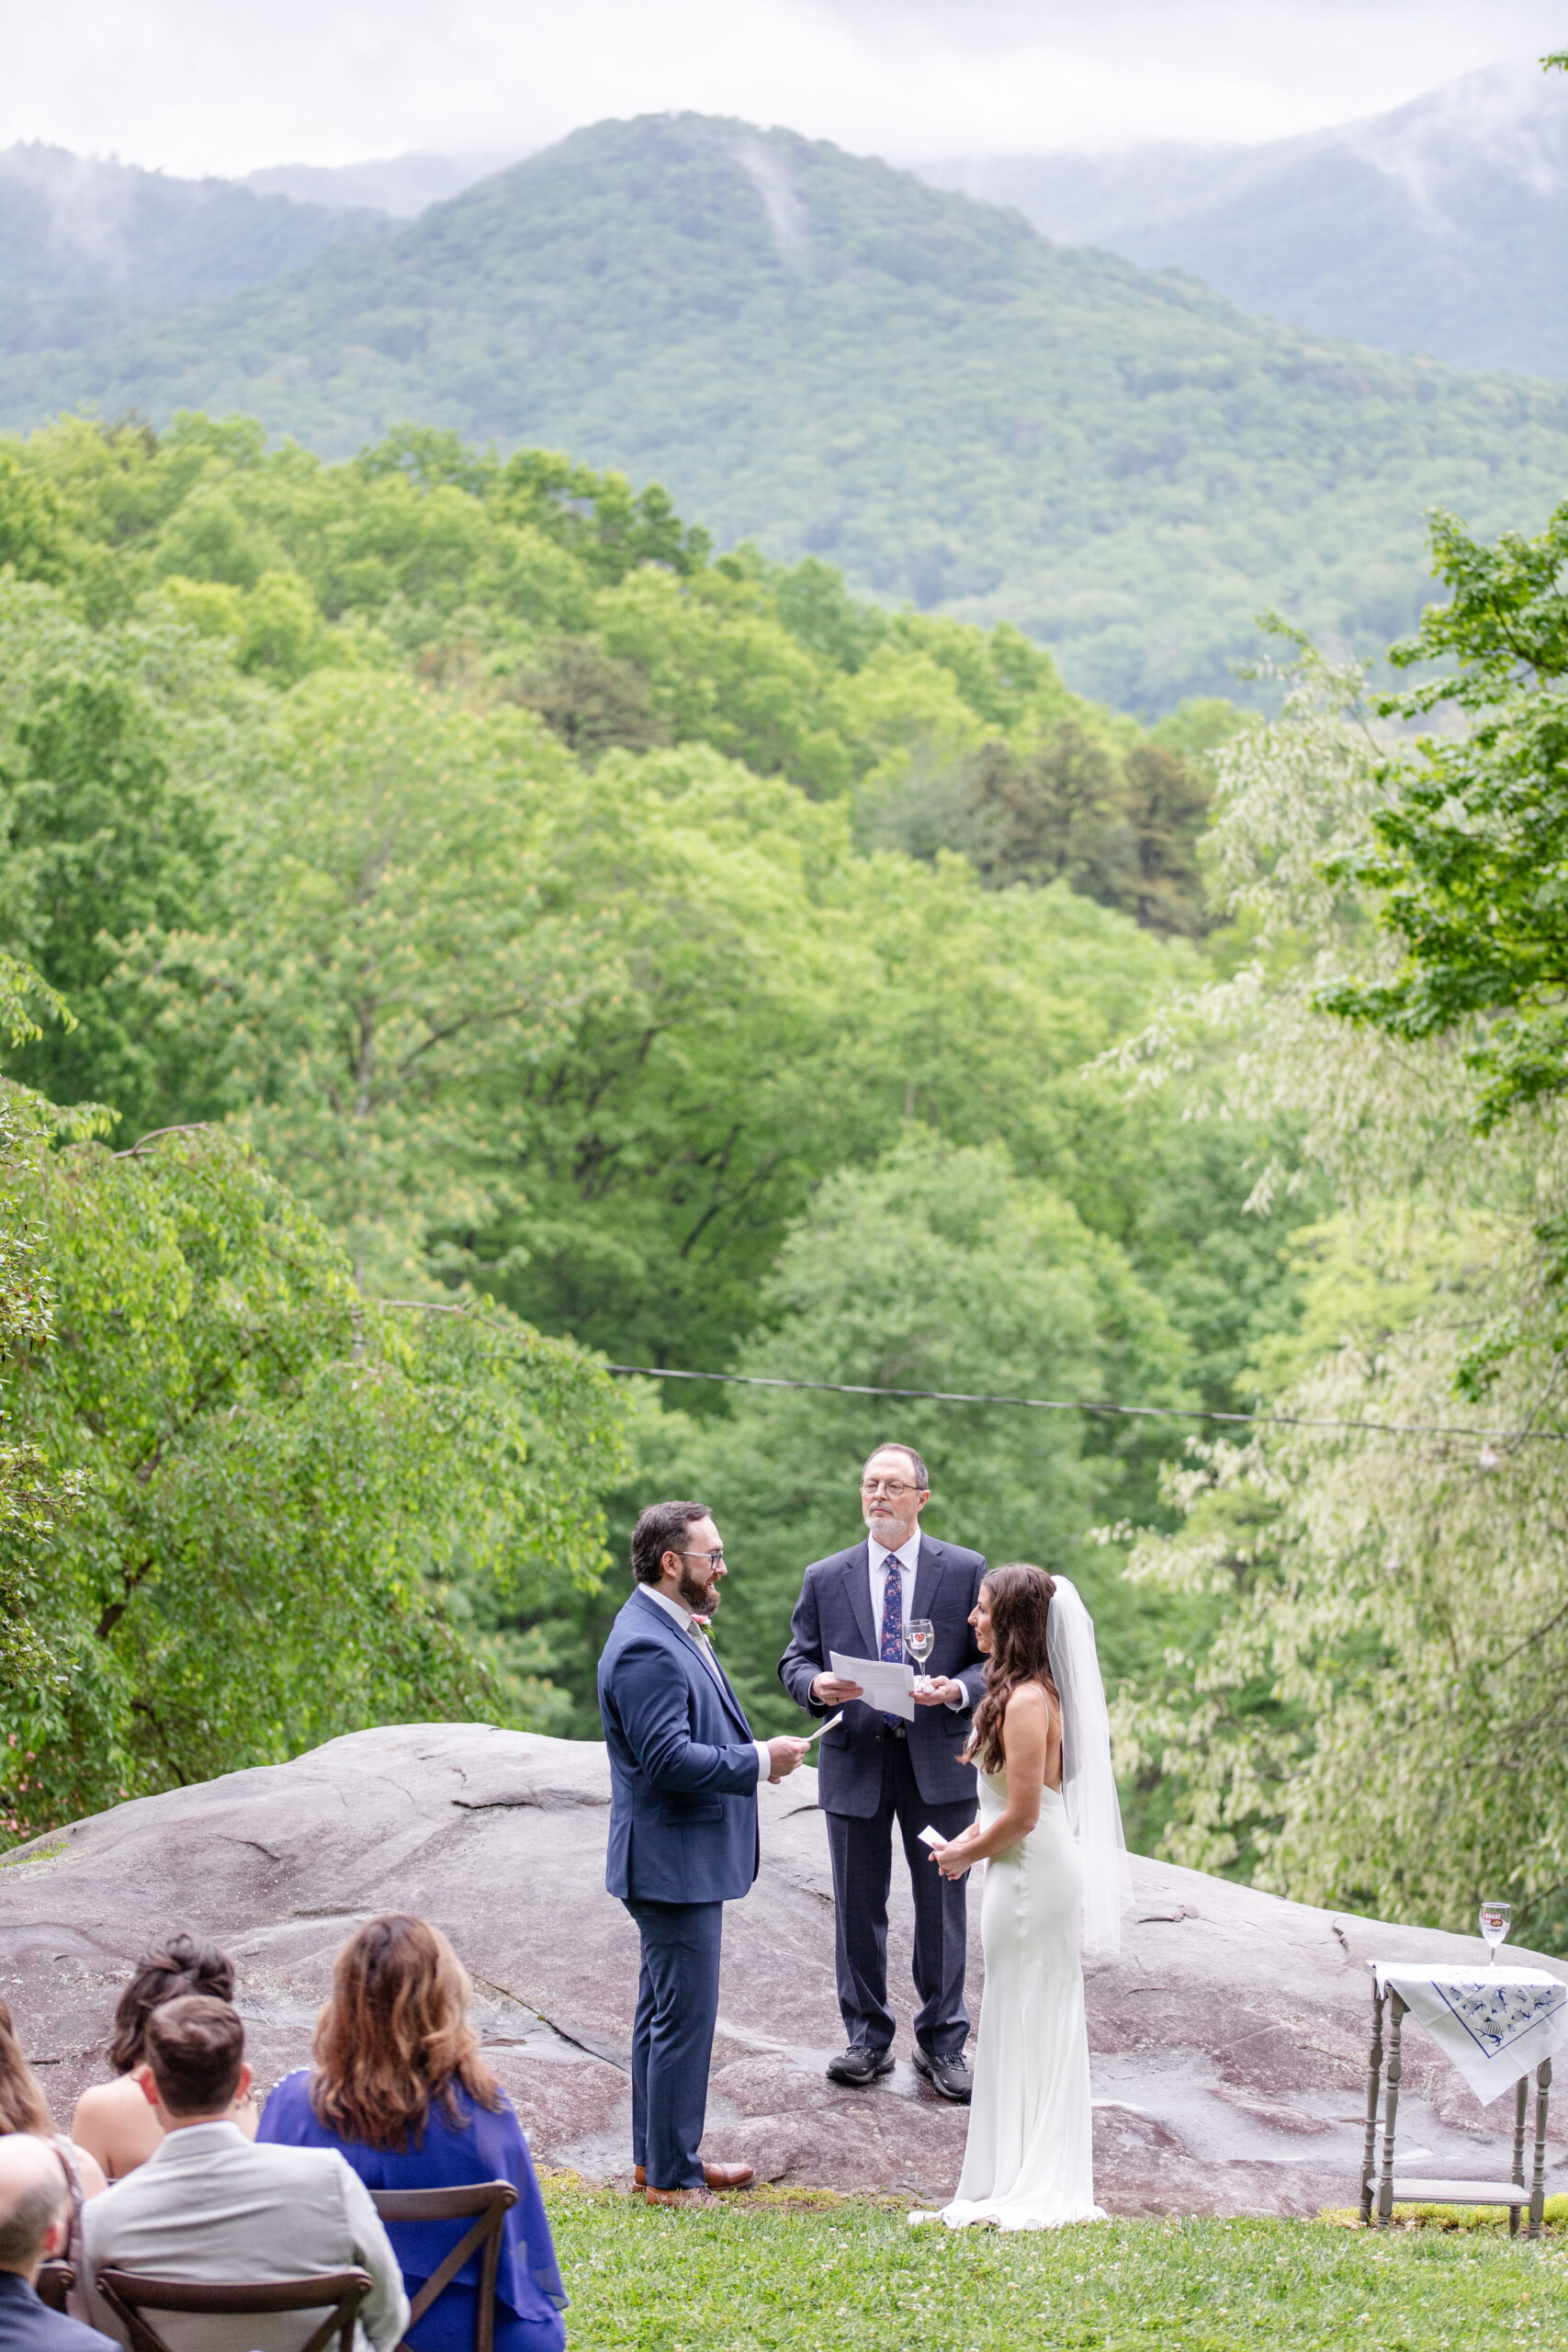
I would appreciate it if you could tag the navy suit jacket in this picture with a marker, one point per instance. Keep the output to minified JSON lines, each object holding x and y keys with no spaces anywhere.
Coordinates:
{"x":683,"y":1767}
{"x":834,"y":1613}
{"x":27,"y":2325}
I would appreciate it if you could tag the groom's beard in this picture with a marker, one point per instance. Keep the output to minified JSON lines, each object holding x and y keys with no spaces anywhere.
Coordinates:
{"x":700,"y":1594}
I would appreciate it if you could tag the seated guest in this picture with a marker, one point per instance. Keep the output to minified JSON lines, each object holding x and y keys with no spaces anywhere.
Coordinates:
{"x":113,"y":2122}
{"x":208,"y":2207}
{"x":32,"y":2228}
{"x":401,"y":2090}
{"x":23,"y":2107}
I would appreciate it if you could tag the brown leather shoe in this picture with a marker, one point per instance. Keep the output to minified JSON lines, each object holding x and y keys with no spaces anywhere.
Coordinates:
{"x":716,"y":2176}
{"x":682,"y":2197}
{"x":728,"y":2176}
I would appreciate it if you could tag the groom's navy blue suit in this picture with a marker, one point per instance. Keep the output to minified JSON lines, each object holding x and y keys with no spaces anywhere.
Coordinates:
{"x":872,"y":1774}
{"x":683,"y":1774}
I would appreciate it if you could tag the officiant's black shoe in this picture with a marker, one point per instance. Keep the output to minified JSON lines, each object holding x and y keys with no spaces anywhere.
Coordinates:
{"x":858,"y":2067}
{"x":950,"y":2076}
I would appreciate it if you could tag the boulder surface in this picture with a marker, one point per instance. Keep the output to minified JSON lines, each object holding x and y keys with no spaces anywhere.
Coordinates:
{"x":1229,"y":2038}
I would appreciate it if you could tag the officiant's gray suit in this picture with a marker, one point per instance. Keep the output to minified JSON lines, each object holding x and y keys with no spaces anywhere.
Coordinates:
{"x":873,"y":1773}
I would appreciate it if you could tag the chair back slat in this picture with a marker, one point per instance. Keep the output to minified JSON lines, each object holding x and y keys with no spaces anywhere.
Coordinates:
{"x":54,"y":2283}
{"x":130,"y":2297}
{"x":490,"y":2200}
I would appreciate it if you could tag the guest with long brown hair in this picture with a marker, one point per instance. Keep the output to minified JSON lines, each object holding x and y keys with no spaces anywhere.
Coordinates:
{"x":401,"y":2091}
{"x":23,"y":2107}
{"x":113,"y":2121}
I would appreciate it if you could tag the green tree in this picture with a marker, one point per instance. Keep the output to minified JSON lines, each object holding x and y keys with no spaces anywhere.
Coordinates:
{"x":103,"y":834}
{"x":937,"y":1269}
{"x":594,"y":703}
{"x":1372,"y":1718}
{"x":1468,"y":851}
{"x":396,"y":957}
{"x":277,"y":1481}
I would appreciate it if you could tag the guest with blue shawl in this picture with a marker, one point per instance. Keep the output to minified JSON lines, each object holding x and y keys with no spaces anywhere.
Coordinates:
{"x":400,"y":2090}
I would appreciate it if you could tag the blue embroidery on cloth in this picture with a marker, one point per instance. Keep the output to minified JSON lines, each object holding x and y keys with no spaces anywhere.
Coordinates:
{"x":1497,"y":2015}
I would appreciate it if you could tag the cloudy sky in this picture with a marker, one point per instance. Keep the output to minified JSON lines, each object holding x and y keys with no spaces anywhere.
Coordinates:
{"x":226,"y":86}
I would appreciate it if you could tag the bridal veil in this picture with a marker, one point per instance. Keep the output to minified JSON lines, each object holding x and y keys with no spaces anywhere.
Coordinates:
{"x":1089,"y":1783}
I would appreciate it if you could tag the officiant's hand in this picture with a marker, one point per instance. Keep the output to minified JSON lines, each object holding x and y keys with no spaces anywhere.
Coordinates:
{"x":786,"y":1754}
{"x":936,"y":1690}
{"x":834,"y":1691}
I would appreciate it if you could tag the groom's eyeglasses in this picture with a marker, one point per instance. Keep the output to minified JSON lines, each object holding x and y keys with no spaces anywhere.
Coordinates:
{"x":893,"y":1489}
{"x":713,"y":1559}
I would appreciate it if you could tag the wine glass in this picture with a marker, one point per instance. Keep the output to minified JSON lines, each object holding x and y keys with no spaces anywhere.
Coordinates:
{"x":920,"y":1640}
{"x":1496,"y":1918}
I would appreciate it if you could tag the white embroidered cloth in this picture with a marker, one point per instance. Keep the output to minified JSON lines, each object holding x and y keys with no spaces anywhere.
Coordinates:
{"x":1493,"y":2024}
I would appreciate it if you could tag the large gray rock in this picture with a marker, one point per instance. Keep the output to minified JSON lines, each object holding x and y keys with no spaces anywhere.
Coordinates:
{"x":1229,"y":2038}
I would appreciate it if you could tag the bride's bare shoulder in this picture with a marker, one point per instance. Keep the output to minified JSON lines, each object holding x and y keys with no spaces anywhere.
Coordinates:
{"x":1027,"y":1699}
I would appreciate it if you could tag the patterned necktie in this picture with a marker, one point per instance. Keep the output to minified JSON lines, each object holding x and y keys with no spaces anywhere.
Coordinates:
{"x":893,"y":1619}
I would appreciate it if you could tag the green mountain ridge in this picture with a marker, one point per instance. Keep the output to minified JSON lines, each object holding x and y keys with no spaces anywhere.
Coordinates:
{"x":815,"y":351}
{"x":90,"y":247}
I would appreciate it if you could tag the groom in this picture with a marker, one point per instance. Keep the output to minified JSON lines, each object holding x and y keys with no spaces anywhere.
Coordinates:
{"x":684,"y":1776}
{"x":876,"y":1770}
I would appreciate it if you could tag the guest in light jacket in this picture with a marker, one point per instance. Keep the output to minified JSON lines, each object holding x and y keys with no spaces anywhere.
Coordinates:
{"x":208,"y":2207}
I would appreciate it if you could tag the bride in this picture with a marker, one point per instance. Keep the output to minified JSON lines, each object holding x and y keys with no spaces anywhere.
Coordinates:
{"x":1050,"y":1829}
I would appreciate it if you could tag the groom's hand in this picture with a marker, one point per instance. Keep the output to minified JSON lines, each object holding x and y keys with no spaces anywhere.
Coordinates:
{"x":834,"y":1691}
{"x":786,"y":1755}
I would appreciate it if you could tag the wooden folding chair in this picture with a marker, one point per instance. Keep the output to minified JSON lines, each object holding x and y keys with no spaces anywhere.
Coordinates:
{"x":130,"y":2296}
{"x":54,"y":2282}
{"x":490,"y":2200}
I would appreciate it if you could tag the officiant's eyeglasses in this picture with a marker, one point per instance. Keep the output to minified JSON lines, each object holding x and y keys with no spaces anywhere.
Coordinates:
{"x":893,"y":1489}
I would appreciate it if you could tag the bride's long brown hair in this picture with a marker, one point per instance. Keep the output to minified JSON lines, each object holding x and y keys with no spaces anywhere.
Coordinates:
{"x":1021,"y":1609}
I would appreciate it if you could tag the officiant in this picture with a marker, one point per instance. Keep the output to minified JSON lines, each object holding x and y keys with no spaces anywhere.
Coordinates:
{"x":876,"y":1771}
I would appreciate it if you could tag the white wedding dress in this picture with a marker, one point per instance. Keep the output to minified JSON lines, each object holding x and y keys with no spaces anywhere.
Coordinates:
{"x":1029,"y":2161}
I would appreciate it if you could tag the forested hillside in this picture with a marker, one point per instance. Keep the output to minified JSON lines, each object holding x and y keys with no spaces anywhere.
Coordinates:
{"x":88,"y":247}
{"x":656,"y":953}
{"x":828,"y":356}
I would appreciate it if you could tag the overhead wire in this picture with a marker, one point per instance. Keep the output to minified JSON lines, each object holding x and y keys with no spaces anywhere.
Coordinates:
{"x":1037,"y":1404}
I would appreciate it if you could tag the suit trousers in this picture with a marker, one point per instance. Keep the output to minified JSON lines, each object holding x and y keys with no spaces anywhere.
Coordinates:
{"x":677,"y":2003}
{"x":861,"y":1850}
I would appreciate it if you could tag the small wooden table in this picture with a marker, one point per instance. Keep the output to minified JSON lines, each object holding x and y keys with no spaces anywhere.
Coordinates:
{"x":1390,"y":2189}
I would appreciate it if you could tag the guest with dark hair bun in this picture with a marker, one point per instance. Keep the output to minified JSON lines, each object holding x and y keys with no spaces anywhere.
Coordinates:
{"x":113,"y":2121}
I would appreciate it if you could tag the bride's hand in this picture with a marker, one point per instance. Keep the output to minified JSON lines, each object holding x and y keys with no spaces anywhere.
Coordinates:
{"x":953,"y":1859}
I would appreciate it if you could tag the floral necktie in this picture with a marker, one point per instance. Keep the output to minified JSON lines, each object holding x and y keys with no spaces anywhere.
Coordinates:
{"x":893,"y":1619}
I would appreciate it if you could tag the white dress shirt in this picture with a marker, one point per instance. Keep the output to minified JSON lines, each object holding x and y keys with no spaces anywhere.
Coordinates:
{"x":686,"y":1619}
{"x":909,"y":1558}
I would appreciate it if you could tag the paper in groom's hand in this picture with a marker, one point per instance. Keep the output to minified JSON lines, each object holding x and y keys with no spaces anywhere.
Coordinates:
{"x":883,"y":1684}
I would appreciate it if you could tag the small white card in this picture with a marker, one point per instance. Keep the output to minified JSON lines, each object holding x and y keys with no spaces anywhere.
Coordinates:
{"x":931,"y":1837}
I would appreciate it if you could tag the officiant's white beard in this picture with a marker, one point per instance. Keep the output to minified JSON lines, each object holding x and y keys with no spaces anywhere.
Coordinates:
{"x":889,"y":1529}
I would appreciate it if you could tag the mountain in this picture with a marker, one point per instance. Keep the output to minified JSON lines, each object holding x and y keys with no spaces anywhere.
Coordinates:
{"x":87,"y":247}
{"x":401,"y":185}
{"x":812,"y":350}
{"x":1441,"y":228}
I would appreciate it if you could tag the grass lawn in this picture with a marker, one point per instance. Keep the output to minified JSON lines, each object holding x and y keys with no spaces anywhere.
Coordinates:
{"x":815,"y":2273}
